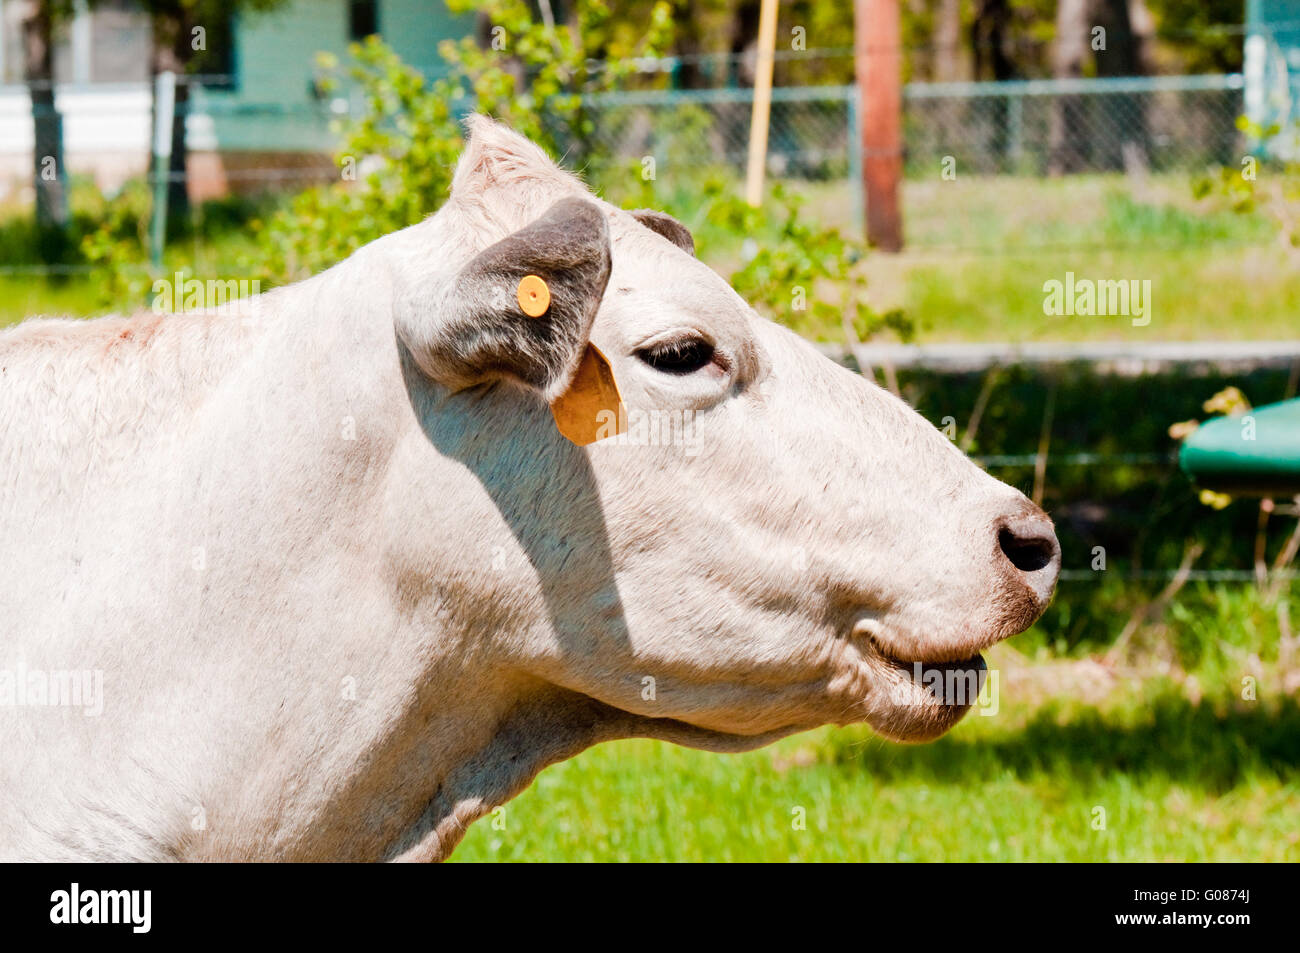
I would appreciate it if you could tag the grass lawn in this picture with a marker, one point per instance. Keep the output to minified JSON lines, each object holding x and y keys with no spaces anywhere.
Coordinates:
{"x":27,"y":296}
{"x":1169,"y":779}
{"x":980,"y":249}
{"x":1196,"y":294}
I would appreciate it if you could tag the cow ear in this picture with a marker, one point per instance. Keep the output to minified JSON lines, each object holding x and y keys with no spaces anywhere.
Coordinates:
{"x":667,"y":226}
{"x":521,"y":309}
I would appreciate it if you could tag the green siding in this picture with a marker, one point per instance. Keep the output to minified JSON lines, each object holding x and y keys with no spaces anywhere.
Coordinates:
{"x":272,"y":108}
{"x":415,"y":27}
{"x":276,"y":51}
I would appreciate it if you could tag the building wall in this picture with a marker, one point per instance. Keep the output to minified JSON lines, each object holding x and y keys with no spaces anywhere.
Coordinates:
{"x":414,"y":28}
{"x":275,"y":105}
{"x":273,"y":111}
{"x":1272,"y":72}
{"x":275,"y":52}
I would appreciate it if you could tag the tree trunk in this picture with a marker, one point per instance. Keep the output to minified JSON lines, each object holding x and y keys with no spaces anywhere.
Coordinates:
{"x":1066,"y":137}
{"x":989,"y":41}
{"x":1118,"y":120}
{"x":689,"y":44}
{"x":47,"y":123}
{"x":947,"y":65}
{"x":1143,"y":25}
{"x":171,"y":52}
{"x":732,"y":119}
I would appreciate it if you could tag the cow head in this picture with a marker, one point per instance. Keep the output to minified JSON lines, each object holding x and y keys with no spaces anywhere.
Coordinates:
{"x":757,"y":541}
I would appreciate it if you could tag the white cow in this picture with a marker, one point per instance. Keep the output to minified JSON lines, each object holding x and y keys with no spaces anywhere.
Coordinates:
{"x":345,"y":586}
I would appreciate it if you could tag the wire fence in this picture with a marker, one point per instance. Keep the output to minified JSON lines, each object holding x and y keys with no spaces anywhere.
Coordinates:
{"x":1039,"y":126}
{"x":1030,"y":127}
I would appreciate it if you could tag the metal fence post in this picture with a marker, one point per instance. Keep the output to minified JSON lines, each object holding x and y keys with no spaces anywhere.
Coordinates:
{"x":164,"y":100}
{"x":853,"y":100}
{"x":1016,"y":131}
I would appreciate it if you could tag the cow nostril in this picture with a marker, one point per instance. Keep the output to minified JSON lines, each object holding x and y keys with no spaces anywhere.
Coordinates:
{"x":1028,"y":543}
{"x":1030,"y":549}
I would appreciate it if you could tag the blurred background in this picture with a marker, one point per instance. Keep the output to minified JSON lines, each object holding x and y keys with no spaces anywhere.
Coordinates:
{"x":898,"y":180}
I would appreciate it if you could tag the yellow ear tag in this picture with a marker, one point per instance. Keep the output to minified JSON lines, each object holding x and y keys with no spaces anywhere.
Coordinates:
{"x":534,"y":297}
{"x":592,"y":408}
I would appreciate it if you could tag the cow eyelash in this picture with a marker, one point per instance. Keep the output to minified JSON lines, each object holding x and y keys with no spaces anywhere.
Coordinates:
{"x":678,"y":356}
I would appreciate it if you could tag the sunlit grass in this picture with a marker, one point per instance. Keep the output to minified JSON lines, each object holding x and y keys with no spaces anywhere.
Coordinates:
{"x":980,"y":248}
{"x":23,"y":296}
{"x":1152,"y":778}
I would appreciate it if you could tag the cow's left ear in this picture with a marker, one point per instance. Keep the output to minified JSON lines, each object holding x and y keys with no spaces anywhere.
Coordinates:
{"x":667,"y":226}
{"x":520,"y":309}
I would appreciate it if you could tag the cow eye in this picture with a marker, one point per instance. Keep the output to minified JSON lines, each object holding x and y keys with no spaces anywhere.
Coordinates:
{"x":679,"y":356}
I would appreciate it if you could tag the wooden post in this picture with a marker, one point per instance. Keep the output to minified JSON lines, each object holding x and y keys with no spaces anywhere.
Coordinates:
{"x":878,"y":63}
{"x":758,"y":122}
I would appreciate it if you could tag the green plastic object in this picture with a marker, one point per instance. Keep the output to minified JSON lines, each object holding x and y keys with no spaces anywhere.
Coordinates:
{"x":1251,"y":454}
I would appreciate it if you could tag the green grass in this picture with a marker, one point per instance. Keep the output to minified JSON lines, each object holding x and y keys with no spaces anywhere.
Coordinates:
{"x":1249,"y":292}
{"x":24,"y":296}
{"x":1175,"y":781}
{"x":215,"y":242}
{"x":979,"y":250}
{"x":1161,"y":747}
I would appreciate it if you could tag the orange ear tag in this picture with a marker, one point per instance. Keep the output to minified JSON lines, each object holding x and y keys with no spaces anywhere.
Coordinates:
{"x":592,"y":408}
{"x":534,"y":297}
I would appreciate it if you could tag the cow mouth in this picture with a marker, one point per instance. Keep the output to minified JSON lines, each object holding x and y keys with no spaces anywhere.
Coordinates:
{"x":918,"y":701}
{"x":916,"y":666}
{"x":926,"y":697}
{"x":937,"y":676}
{"x":949,"y":683}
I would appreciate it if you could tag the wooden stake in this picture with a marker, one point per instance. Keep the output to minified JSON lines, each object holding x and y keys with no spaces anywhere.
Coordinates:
{"x":1044,"y":442}
{"x":758,"y":122}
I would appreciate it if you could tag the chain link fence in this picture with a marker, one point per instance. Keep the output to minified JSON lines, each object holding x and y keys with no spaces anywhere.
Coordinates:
{"x":1059,"y":126}
{"x":1031,"y":127}
{"x":1018,"y":129}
